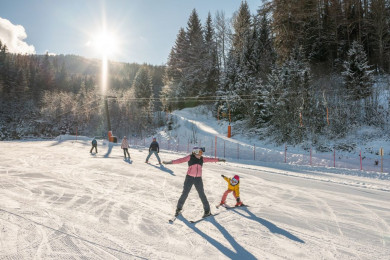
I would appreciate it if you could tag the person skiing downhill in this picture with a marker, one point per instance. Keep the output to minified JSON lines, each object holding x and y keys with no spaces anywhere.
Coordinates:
{"x":154,"y":148}
{"x":125,"y":147}
{"x":233,"y":186}
{"x":194,"y":177}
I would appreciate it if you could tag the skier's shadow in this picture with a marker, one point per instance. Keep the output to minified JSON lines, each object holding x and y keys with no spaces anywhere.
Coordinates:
{"x":110,"y":146}
{"x":271,"y":227}
{"x":128,"y":161}
{"x":240,"y":253}
{"x":163,"y":168}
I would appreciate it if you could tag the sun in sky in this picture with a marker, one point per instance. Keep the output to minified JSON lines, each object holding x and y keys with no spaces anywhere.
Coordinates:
{"x":105,"y":43}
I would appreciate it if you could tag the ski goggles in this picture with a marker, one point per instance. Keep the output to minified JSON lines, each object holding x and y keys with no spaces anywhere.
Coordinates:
{"x":233,"y":181}
{"x":198,"y":150}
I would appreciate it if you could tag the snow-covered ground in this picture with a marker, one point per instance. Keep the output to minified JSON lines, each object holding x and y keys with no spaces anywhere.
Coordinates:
{"x":57,"y":201}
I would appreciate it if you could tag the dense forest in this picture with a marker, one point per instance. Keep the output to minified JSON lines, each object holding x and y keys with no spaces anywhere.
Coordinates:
{"x":292,"y":70}
{"x":43,"y":96}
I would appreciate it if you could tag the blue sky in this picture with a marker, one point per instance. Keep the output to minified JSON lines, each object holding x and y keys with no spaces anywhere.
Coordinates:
{"x":147,"y":29}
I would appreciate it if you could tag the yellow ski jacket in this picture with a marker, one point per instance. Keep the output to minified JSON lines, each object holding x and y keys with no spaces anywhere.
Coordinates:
{"x":235,"y":188}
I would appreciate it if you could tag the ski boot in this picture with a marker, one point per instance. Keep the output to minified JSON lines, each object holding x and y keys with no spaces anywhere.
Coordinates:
{"x":177,"y":213}
{"x":206,"y":214}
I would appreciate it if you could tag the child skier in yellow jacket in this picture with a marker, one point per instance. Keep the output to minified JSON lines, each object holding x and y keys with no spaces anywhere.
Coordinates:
{"x":233,"y":186}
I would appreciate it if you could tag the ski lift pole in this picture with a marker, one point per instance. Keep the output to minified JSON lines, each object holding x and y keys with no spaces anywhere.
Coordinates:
{"x":107,"y":114}
{"x":361,"y":161}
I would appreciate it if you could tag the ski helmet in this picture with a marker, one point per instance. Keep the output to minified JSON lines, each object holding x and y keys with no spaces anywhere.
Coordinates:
{"x":235,"y":180}
{"x":197,"y":150}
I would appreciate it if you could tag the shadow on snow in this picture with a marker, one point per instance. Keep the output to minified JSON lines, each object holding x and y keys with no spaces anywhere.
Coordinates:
{"x":271,"y":227}
{"x":163,"y":168}
{"x":240,"y":252}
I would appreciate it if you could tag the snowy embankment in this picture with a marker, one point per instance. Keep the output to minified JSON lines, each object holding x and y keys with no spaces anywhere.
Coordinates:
{"x":57,"y":201}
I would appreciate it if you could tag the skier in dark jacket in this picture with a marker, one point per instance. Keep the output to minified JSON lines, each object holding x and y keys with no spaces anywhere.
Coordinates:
{"x":94,"y":145}
{"x":154,"y":148}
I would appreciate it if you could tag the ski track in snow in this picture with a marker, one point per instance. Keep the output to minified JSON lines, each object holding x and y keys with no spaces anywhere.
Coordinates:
{"x":58,"y":201}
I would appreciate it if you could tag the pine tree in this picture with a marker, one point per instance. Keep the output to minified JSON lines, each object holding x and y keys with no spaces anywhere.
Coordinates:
{"x":289,"y":95}
{"x":174,"y":73}
{"x":242,"y":26}
{"x":143,"y":89}
{"x":210,"y":64}
{"x":194,"y":78}
{"x":240,"y":76}
{"x":358,"y":78}
{"x":264,"y":47}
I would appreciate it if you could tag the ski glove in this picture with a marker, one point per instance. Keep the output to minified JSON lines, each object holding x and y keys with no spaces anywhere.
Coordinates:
{"x":221,"y":160}
{"x":238,"y":199}
{"x":167,"y":162}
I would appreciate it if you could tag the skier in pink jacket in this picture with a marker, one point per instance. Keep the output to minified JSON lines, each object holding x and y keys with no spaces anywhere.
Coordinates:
{"x":125,"y":146}
{"x":194,"y":177}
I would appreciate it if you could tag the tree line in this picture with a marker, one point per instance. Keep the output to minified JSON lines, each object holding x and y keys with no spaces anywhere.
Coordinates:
{"x":295,"y":70}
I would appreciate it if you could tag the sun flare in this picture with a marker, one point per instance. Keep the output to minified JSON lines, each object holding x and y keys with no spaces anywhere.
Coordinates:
{"x":105,"y":43}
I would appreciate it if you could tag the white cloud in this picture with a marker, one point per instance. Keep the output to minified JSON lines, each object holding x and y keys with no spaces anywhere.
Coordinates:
{"x":13,"y":36}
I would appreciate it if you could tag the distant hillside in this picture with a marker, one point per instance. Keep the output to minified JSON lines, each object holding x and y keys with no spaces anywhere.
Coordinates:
{"x":42,"y":95}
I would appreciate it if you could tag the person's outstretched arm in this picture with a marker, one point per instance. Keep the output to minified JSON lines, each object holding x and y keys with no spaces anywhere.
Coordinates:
{"x":180,"y":160}
{"x":209,"y":159}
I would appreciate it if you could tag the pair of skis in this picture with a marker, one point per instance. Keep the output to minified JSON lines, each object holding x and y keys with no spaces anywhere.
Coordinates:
{"x":230,"y":207}
{"x":172,"y":220}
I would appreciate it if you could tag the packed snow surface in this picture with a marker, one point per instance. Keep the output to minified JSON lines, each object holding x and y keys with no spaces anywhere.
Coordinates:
{"x":58,"y":201}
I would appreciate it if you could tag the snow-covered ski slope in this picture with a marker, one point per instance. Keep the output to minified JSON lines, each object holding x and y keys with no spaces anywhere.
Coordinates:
{"x":57,"y":201}
{"x":197,"y":125}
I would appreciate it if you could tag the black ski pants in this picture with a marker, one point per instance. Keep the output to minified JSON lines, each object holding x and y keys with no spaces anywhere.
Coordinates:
{"x":126,"y":151}
{"x":94,"y":146}
{"x":197,"y":181}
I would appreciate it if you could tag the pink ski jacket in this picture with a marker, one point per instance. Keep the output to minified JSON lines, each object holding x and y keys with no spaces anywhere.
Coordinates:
{"x":194,"y":170}
{"x":124,"y":144}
